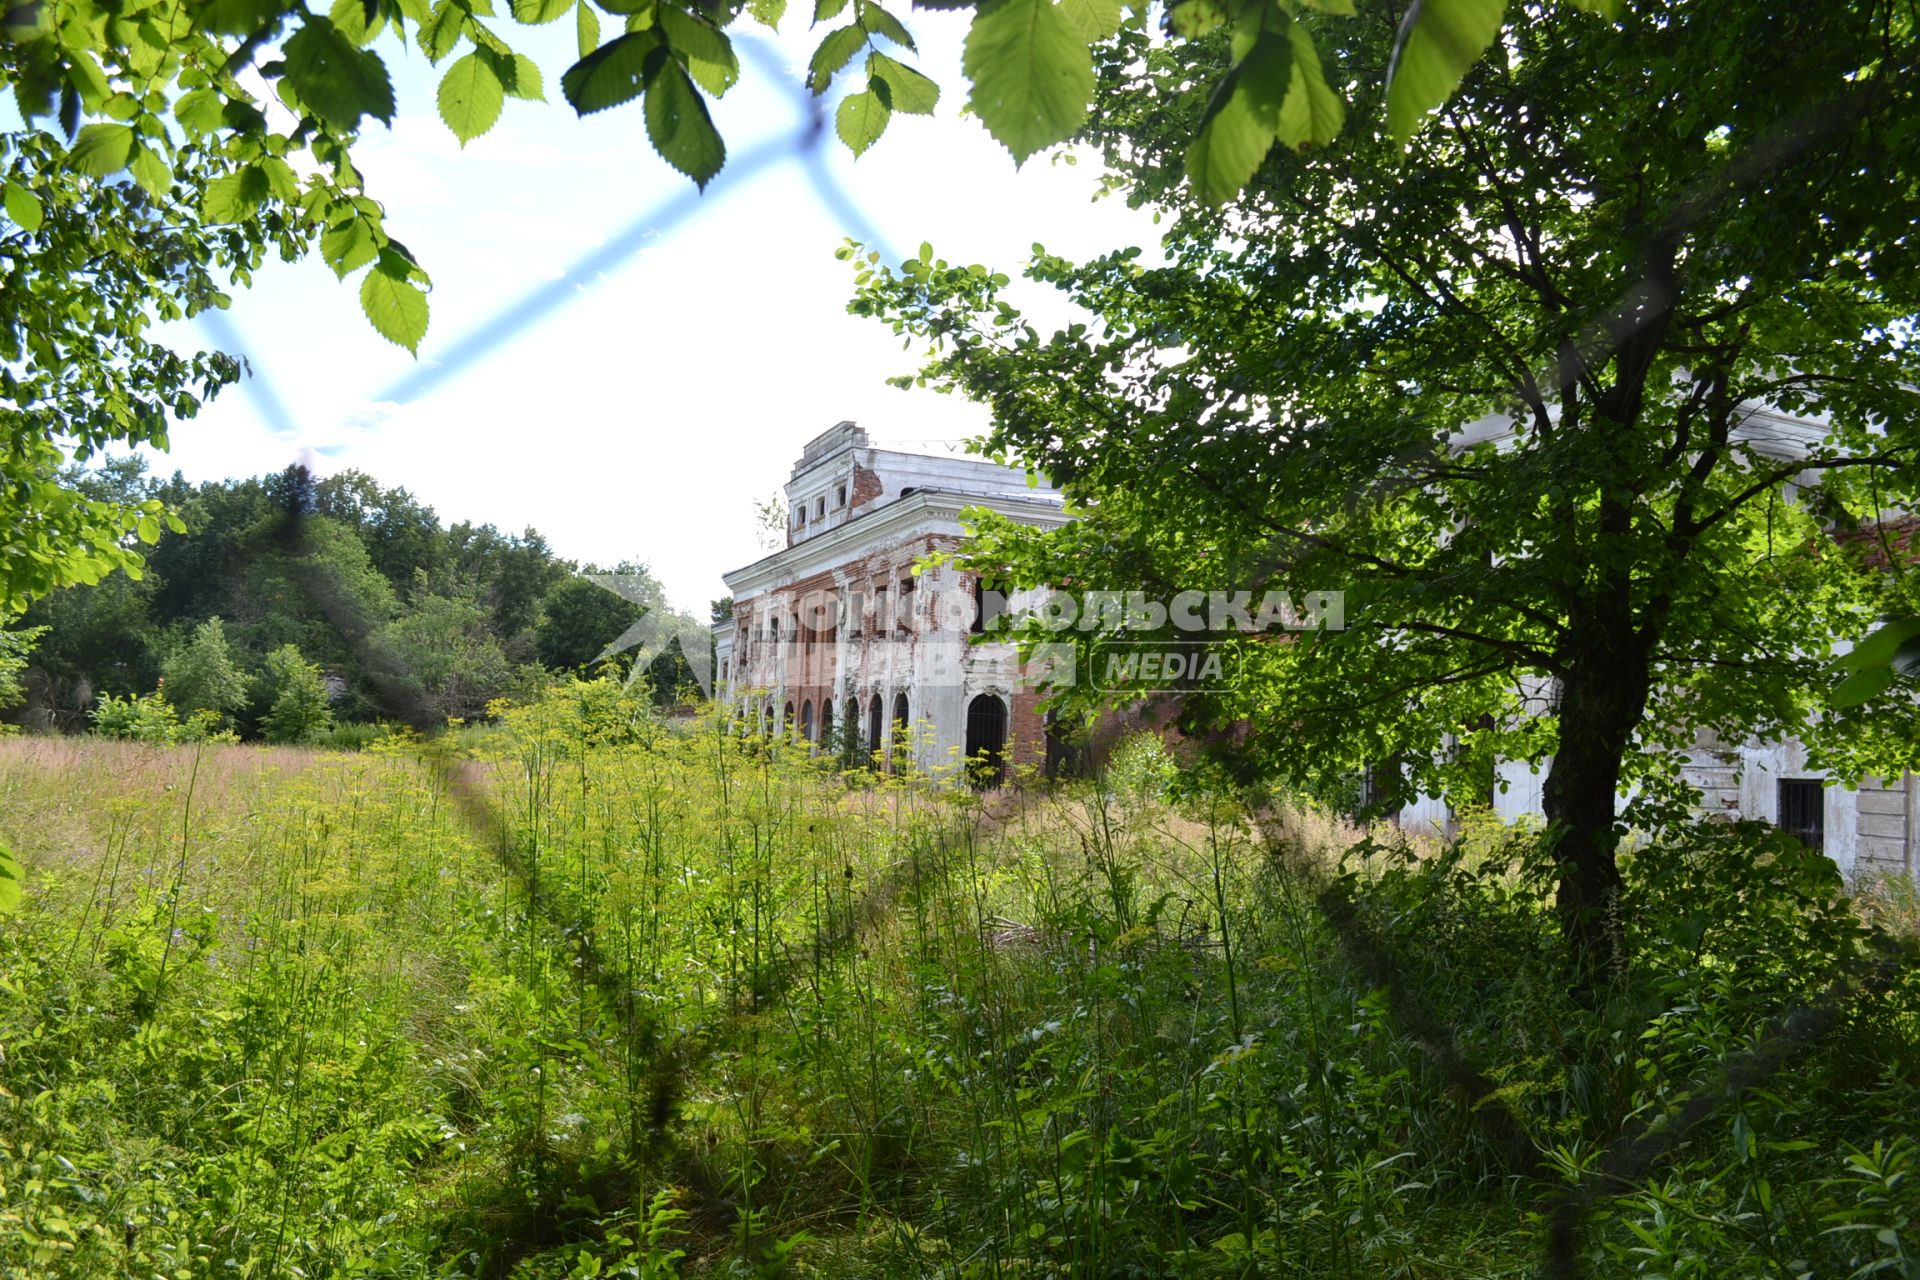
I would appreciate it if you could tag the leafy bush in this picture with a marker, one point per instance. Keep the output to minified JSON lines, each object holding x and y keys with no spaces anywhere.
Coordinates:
{"x":1739,"y":1091}
{"x":294,"y":693}
{"x":202,"y":676}
{"x":352,"y":736}
{"x":15,"y":648}
{"x":150,"y":718}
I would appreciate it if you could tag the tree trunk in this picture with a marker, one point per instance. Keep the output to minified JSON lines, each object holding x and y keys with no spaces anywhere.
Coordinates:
{"x":1602,"y":698}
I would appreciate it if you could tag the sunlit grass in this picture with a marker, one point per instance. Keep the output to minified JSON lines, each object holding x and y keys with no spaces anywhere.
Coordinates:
{"x":586,"y":994}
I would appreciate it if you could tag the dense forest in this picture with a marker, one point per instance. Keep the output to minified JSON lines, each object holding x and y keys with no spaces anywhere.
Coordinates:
{"x":297,"y":607}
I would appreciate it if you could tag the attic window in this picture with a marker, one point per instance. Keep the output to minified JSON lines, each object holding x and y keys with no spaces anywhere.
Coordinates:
{"x":800,"y":516}
{"x":820,"y":507}
{"x":840,"y":496}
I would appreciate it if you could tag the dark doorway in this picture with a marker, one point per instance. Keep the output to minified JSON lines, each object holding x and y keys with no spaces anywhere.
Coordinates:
{"x":1066,"y":750}
{"x":874,"y":727}
{"x":1803,"y":811}
{"x":986,"y":741}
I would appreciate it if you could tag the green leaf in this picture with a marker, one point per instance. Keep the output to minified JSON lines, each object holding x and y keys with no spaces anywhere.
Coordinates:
{"x":1906,"y":659}
{"x":102,"y":149}
{"x":539,"y":12}
{"x":442,"y":31}
{"x":338,"y":81}
{"x":519,"y":76}
{"x":1032,"y":74}
{"x":1191,"y":19}
{"x":907,"y":89}
{"x":610,"y":75}
{"x":679,"y":126}
{"x":695,"y":37}
{"x":351,"y":17}
{"x":861,"y":120}
{"x":200,"y":113}
{"x":767,"y":12}
{"x":1094,"y":19}
{"x":151,"y":171}
{"x":395,"y":305}
{"x":23,"y":207}
{"x":1608,"y":9}
{"x":1861,"y":686}
{"x":1241,"y":120}
{"x":91,"y":83}
{"x":1312,"y":114}
{"x":836,"y":51}
{"x":827,"y":10}
{"x":348,"y":245}
{"x":236,"y":197}
{"x":877,"y":20}
{"x":709,"y":54}
{"x":586,"y":28}
{"x":1437,"y":41}
{"x":282,"y":181}
{"x":470,"y":97}
{"x":1880,"y":647}
{"x":237,"y":17}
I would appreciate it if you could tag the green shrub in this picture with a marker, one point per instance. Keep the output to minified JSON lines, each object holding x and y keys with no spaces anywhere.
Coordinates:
{"x":16,"y":647}
{"x":352,"y":735}
{"x":202,"y":676}
{"x":294,"y":692}
{"x":1733,"y":1102}
{"x":149,"y":717}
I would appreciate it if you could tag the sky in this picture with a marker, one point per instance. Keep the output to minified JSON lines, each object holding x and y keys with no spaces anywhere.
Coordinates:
{"x":642,"y":409}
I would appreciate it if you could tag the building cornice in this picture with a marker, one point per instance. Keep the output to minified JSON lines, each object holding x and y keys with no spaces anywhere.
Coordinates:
{"x":897,"y":518}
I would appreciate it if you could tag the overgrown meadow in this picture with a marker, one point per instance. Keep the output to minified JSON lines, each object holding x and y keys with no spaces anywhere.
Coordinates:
{"x":586,"y":993}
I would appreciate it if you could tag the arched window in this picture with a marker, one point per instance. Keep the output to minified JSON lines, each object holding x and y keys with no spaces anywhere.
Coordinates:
{"x":897,"y":747}
{"x":874,"y":730}
{"x":826,"y":724}
{"x":806,"y":720}
{"x":986,"y":741}
{"x":786,"y":723}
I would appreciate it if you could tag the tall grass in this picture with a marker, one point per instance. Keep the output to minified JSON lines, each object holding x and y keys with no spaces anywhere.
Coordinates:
{"x":584,"y":994}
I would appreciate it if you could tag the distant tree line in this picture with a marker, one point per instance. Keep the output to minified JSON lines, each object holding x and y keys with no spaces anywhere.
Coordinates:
{"x":295,"y":603}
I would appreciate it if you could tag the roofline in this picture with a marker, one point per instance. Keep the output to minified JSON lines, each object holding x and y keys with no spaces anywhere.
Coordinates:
{"x":920,"y":501}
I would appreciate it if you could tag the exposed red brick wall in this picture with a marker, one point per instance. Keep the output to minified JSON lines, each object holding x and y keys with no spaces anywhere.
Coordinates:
{"x":1027,"y":729}
{"x":811,"y":662}
{"x":1895,"y":536}
{"x":866,"y":488}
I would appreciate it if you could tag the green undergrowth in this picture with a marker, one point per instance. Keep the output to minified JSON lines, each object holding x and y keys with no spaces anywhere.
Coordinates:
{"x":593,"y":995}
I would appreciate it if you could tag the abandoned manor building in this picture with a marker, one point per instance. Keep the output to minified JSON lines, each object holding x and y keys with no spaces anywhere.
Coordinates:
{"x":836,"y":639}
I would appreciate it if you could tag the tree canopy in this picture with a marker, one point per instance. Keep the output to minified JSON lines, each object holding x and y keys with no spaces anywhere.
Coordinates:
{"x":407,"y":618}
{"x":1594,"y":403}
{"x":154,"y":172}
